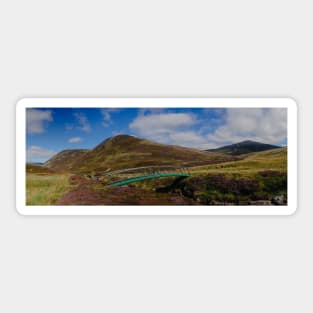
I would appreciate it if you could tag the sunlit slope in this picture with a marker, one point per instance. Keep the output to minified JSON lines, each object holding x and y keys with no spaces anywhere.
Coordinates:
{"x":251,"y":163}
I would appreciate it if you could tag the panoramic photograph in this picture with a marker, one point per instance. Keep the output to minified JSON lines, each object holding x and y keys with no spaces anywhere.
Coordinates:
{"x":156,"y":156}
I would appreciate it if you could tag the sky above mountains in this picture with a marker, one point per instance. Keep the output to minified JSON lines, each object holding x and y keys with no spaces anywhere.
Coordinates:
{"x":50,"y":130}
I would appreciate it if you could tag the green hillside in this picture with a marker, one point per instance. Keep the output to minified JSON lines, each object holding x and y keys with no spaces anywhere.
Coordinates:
{"x":64,"y":160}
{"x":125,"y":151}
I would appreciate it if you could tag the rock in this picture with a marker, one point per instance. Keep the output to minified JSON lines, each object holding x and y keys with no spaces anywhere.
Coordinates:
{"x":187,"y":192}
{"x":278,"y":200}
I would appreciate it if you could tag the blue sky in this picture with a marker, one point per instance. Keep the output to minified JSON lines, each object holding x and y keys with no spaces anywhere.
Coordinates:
{"x":50,"y":130}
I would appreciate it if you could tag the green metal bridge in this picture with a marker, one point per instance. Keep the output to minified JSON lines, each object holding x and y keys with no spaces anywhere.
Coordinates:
{"x":145,"y":173}
{"x":145,"y":177}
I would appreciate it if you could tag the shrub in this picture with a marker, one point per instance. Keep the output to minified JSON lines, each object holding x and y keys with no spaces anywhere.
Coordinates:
{"x":274,"y":184}
{"x":248,"y":186}
{"x":232,"y":189}
{"x":269,"y":173}
{"x":239,"y":186}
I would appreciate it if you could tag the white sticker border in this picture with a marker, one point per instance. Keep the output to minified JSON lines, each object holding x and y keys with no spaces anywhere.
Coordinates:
{"x":24,"y":103}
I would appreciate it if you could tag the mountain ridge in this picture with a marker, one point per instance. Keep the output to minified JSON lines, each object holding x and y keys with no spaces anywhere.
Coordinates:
{"x":243,"y":147}
{"x":125,"y":151}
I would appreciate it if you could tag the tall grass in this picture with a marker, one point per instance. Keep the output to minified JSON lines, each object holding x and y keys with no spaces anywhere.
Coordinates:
{"x":45,"y":189}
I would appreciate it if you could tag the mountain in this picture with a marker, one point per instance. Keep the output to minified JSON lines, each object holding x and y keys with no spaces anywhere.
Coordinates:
{"x":244,"y":147}
{"x":124,"y":151}
{"x":65,"y":159}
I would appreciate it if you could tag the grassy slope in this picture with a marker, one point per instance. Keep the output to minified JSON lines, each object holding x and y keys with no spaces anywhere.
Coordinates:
{"x":45,"y":189}
{"x":64,"y":160}
{"x":250,"y":166}
{"x":252,"y":163}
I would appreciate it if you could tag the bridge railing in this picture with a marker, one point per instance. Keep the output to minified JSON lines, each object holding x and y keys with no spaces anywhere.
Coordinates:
{"x":108,"y":178}
{"x":124,"y":174}
{"x":148,"y":169}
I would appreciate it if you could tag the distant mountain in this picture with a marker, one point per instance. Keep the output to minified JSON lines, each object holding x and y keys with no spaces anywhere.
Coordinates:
{"x":65,"y":159}
{"x":244,"y":147}
{"x":124,"y":151}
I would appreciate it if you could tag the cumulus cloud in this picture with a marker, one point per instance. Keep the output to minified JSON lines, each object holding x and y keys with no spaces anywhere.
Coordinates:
{"x":82,"y":121}
{"x":267,"y":125}
{"x":169,"y":128}
{"x":189,"y":139}
{"x":74,"y":140}
{"x":36,"y":120}
{"x":106,"y":114}
{"x":156,"y":124}
{"x":38,"y":154}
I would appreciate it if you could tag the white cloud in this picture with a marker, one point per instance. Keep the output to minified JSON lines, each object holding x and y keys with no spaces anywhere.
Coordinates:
{"x":169,"y":128}
{"x":104,"y":124}
{"x":187,"y":139}
{"x":157,"y":124}
{"x":36,"y":120}
{"x":265,"y":125}
{"x":38,"y":154}
{"x":106,"y":114}
{"x":190,"y":139}
{"x":82,"y":121}
{"x":74,"y":140}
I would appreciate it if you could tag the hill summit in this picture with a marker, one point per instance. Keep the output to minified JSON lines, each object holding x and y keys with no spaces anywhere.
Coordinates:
{"x":244,"y":147}
{"x":125,"y":151}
